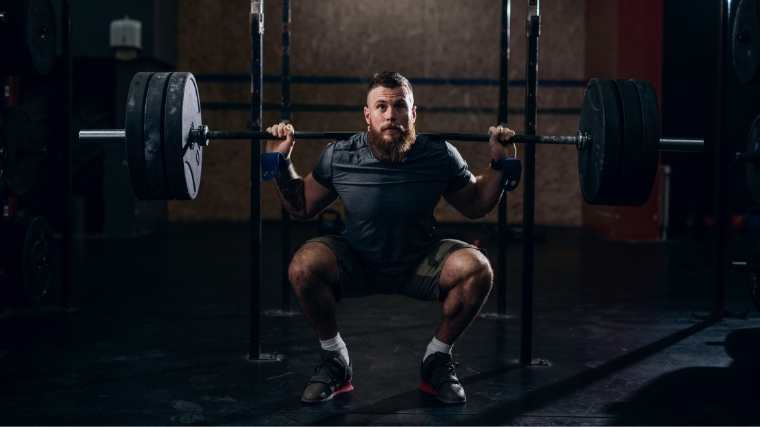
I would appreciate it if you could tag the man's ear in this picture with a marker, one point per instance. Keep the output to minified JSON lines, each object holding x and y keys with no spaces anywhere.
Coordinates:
{"x":366,"y":115}
{"x":414,"y":113}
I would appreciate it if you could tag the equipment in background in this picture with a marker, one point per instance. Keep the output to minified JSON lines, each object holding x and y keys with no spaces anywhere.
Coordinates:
{"x":330,"y":223}
{"x":21,"y":154}
{"x":751,"y":158}
{"x":25,"y":260}
{"x":618,"y":142}
{"x":27,"y":37}
{"x":126,"y":38}
{"x":745,"y":41}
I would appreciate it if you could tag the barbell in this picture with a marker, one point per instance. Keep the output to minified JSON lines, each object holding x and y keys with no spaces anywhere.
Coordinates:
{"x":618,"y":141}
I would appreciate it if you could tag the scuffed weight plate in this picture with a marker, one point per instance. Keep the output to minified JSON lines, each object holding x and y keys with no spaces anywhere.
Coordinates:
{"x":745,"y":42}
{"x":650,"y":148}
{"x":19,"y":136}
{"x":27,"y":251}
{"x":599,"y":164}
{"x":133,"y":132}
{"x":753,"y":170}
{"x":630,"y":160}
{"x":153,"y":137}
{"x":27,"y":37}
{"x":183,"y":161}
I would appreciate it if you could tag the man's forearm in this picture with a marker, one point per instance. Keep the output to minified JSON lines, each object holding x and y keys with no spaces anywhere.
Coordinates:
{"x":488,"y":192}
{"x":290,"y":188}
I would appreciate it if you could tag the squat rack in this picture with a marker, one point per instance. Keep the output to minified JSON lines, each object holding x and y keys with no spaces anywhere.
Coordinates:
{"x":256,"y":21}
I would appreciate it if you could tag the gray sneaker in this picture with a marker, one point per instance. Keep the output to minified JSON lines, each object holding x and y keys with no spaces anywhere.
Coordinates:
{"x":439,"y":379}
{"x":331,"y":378}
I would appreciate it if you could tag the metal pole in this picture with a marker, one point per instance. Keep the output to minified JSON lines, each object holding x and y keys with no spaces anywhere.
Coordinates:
{"x":501,"y":253}
{"x":722,"y":152}
{"x":65,"y":173}
{"x":257,"y":83}
{"x":529,"y":189}
{"x":285,"y":117}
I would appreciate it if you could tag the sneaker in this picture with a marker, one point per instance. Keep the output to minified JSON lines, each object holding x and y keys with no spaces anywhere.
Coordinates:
{"x":439,"y":379}
{"x":331,"y":378}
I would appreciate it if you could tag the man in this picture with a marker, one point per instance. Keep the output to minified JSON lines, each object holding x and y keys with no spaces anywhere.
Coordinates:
{"x":390,"y":181}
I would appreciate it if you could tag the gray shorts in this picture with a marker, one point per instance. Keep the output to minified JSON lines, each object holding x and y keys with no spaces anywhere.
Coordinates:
{"x":420,"y":282}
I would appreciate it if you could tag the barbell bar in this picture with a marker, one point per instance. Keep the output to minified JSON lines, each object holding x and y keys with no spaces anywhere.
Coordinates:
{"x":618,"y":141}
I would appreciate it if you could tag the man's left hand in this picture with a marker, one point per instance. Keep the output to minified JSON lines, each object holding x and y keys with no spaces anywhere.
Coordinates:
{"x":499,"y":134}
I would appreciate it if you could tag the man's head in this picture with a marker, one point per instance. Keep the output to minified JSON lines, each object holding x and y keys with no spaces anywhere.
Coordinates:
{"x":390,"y":114}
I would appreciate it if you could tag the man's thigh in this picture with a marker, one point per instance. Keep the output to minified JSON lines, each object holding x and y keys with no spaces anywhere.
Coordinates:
{"x":355,"y":280}
{"x":423,"y":282}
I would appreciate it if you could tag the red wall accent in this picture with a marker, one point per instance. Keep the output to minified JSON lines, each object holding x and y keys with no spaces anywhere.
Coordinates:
{"x":624,"y":40}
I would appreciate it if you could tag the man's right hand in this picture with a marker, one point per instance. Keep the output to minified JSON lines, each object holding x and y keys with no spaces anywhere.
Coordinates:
{"x":285,"y":147}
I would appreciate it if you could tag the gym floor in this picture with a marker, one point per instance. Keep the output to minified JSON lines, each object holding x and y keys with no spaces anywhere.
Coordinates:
{"x":159,"y":335}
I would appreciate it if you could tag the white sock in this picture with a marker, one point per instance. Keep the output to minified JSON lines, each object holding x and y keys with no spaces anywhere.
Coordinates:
{"x":337,"y":344}
{"x":435,"y":346}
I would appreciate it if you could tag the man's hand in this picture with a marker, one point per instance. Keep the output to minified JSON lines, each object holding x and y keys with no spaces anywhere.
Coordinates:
{"x":285,"y":147}
{"x":499,"y":134}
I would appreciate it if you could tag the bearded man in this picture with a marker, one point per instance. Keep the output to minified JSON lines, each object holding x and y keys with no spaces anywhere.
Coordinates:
{"x":390,"y":180}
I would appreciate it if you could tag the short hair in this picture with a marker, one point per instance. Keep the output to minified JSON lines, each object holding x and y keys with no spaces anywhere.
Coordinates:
{"x":391,"y":80}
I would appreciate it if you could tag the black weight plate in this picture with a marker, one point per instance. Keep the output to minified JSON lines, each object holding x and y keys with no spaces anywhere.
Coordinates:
{"x":19,"y":134}
{"x":745,"y":42}
{"x":650,"y":148}
{"x":28,"y":264}
{"x":599,"y":164}
{"x":183,"y":111}
{"x":3,"y":156}
{"x":133,"y":132}
{"x":28,"y":37}
{"x":753,"y":170}
{"x":155,"y":166}
{"x":632,"y":143}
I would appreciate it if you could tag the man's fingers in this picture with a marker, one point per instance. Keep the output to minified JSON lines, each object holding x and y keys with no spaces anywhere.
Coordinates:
{"x":491,"y":130}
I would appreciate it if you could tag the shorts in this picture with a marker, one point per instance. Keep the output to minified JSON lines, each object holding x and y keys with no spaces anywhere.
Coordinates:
{"x":420,"y":282}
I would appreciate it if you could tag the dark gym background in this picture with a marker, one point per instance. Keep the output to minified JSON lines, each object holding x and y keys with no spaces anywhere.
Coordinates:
{"x":157,"y":332}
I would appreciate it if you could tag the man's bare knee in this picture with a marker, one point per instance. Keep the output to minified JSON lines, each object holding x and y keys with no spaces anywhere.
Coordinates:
{"x":313,"y":264}
{"x":468,"y":268}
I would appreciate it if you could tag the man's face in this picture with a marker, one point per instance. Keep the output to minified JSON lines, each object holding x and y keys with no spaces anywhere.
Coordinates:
{"x":390,"y":111}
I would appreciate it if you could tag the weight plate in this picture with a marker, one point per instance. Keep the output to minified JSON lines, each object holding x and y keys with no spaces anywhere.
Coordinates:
{"x":155,"y":166}
{"x":630,"y":161}
{"x":599,"y":164}
{"x":745,"y":41}
{"x":752,"y":169}
{"x":183,"y":111}
{"x":133,"y":132}
{"x":650,"y":149}
{"x":19,"y":133}
{"x":27,"y":37}
{"x":28,"y":265}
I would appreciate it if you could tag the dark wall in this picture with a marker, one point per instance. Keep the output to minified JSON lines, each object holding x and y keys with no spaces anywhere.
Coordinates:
{"x":690,"y":67}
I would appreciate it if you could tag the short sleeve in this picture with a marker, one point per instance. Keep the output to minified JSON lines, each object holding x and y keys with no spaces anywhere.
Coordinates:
{"x":322,"y":172}
{"x":459,"y":174}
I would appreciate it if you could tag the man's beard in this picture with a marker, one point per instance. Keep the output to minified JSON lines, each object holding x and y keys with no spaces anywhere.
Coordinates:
{"x":391,"y":148}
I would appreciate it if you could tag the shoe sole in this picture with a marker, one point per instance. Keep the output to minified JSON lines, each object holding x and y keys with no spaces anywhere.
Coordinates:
{"x":427,"y":388}
{"x":345,"y":388}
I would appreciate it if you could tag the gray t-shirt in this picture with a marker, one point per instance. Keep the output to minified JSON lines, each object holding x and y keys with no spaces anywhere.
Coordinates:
{"x":389,"y":206}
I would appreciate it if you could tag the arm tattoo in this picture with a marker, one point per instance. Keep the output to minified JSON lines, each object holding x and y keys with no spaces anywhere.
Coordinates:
{"x":291,"y":187}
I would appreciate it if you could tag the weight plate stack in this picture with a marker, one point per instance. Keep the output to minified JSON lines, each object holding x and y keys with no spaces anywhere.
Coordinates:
{"x":183,"y":160}
{"x":19,"y":137}
{"x":753,"y":169}
{"x":27,"y":37}
{"x":599,"y":164}
{"x":155,"y":166}
{"x":630,"y":161}
{"x":26,"y":259}
{"x":650,"y":148}
{"x":133,"y":132}
{"x":745,"y":41}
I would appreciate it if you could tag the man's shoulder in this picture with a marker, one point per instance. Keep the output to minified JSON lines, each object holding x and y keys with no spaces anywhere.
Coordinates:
{"x":352,"y":143}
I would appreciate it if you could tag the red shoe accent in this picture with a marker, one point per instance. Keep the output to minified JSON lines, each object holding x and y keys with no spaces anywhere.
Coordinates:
{"x":427,"y":388}
{"x":345,"y":388}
